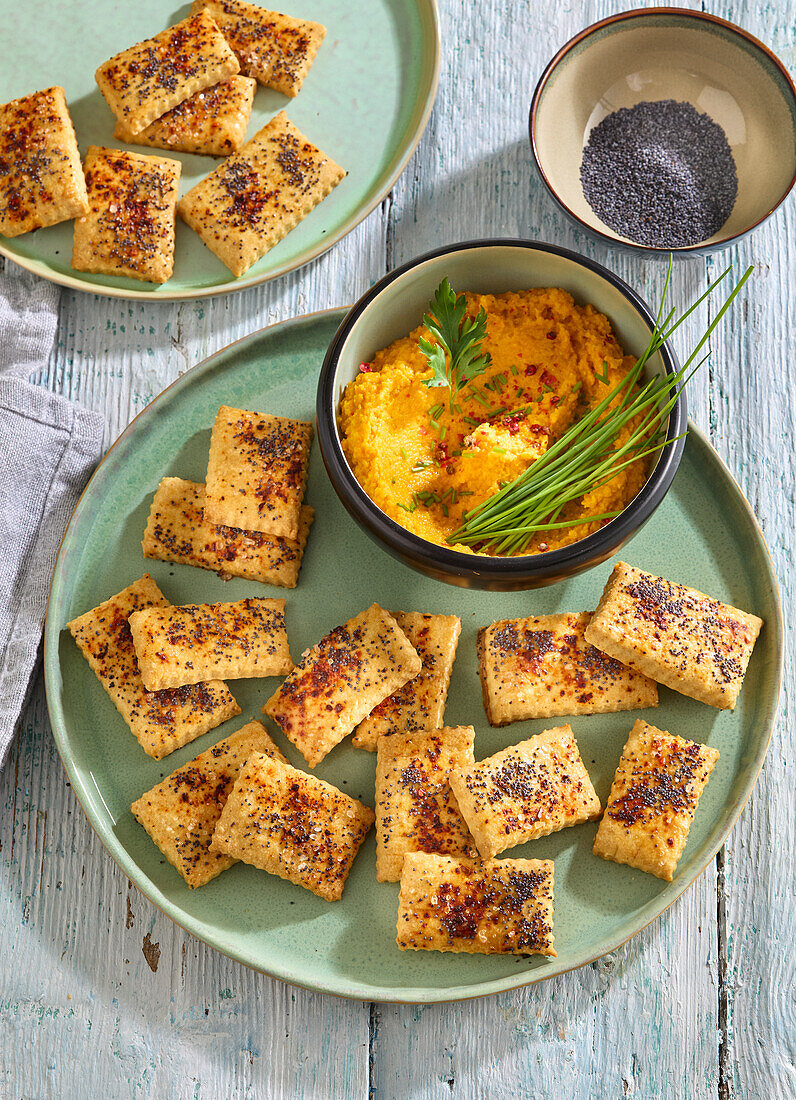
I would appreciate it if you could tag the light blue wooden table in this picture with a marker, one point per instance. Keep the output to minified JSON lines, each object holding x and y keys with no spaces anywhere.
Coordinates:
{"x":100,"y":995}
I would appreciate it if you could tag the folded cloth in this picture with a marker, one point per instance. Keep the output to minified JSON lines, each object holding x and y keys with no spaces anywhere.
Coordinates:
{"x":48,"y":448}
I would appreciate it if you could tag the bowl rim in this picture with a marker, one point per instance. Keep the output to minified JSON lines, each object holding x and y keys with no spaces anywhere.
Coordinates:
{"x":553,"y":563}
{"x":621,"y":17}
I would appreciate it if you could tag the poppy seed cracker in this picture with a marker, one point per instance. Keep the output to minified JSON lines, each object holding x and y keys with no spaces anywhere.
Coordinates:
{"x":340,"y":680}
{"x":182,"y":645}
{"x":41,"y":177}
{"x":256,"y":471}
{"x":181,"y":813}
{"x":292,"y":825}
{"x":256,"y":196}
{"x":525,"y":791}
{"x":162,"y":721}
{"x":542,"y":667}
{"x":675,"y":634}
{"x":653,"y":799}
{"x":499,"y":906}
{"x":144,"y":81}
{"x":416,"y":810}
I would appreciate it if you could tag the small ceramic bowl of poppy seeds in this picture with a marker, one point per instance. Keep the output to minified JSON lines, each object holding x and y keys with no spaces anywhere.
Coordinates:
{"x":666,"y":130}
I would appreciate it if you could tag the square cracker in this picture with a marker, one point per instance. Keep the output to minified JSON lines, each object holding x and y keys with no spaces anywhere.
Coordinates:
{"x":500,"y":906}
{"x":182,"y":645}
{"x":528,"y":790}
{"x":420,"y":703}
{"x":677,"y":635}
{"x":415,"y":807}
{"x":162,"y":721}
{"x":212,"y":122}
{"x":542,"y":667}
{"x":340,"y":680}
{"x":129,"y":227}
{"x":255,"y":197}
{"x":178,"y":531}
{"x":144,"y":81}
{"x":276,"y":49}
{"x":41,"y":177}
{"x":181,"y":813}
{"x":653,"y":800}
{"x":292,"y":825}
{"x":256,"y":471}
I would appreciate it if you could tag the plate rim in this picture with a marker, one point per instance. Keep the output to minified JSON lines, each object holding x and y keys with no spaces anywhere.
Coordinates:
{"x":351,"y":990}
{"x":74,"y":282}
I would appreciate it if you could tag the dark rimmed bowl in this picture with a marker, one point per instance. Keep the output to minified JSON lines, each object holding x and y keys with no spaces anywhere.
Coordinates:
{"x":395,"y":306}
{"x":669,"y":53}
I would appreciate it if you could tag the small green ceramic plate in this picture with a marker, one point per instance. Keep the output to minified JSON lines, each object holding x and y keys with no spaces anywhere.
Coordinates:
{"x":703,"y":534}
{"x":365,"y":102}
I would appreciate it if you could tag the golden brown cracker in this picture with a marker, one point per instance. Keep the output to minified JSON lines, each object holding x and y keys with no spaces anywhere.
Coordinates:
{"x":292,"y":825}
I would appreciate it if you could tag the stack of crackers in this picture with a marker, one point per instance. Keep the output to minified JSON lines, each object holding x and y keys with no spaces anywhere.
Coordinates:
{"x":188,"y":89}
{"x":442,"y":817}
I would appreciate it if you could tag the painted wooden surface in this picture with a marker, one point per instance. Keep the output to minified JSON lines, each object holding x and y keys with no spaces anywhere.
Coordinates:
{"x":101,"y":993}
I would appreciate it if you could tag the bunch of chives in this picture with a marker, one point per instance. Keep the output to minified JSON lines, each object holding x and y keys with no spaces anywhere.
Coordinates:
{"x":589,"y":454}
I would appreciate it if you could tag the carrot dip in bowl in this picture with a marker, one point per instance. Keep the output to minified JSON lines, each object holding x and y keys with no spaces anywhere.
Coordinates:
{"x":426,"y":461}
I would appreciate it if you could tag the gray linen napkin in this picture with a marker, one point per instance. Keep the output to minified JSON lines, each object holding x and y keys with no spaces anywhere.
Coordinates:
{"x":48,"y":448}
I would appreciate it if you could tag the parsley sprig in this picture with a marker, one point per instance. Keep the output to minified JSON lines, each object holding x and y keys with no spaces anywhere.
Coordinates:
{"x":455,"y":356}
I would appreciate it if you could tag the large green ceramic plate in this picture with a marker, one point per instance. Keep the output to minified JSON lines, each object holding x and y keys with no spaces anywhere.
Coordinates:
{"x":703,"y":534}
{"x":365,"y":102}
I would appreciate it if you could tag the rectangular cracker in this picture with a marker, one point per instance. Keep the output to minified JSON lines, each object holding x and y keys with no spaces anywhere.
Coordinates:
{"x":162,"y":721}
{"x":420,"y":703}
{"x":340,"y":680}
{"x":500,"y":906}
{"x":653,"y":800}
{"x":212,"y":122}
{"x":256,"y":471}
{"x":677,"y":635}
{"x":182,"y":645}
{"x":415,"y":807}
{"x":181,"y":813}
{"x":255,"y":197}
{"x":292,"y":825}
{"x":177,"y":531}
{"x":41,"y":177}
{"x":276,"y":49}
{"x":542,"y":667}
{"x":129,"y":227}
{"x":144,"y":81}
{"x":525,"y":791}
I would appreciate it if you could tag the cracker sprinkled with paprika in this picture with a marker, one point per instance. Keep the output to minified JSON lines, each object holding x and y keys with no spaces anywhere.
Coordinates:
{"x":496,"y":907}
{"x":41,"y":177}
{"x":675,"y":634}
{"x":420,"y":703}
{"x":212,"y":122}
{"x":181,"y":813}
{"x":144,"y":81}
{"x":292,"y":825}
{"x":182,"y":645}
{"x":542,"y":667}
{"x":129,"y":228}
{"x":340,"y":680}
{"x":415,"y":807}
{"x":276,"y":49}
{"x":256,"y":471}
{"x":162,"y":721}
{"x":653,"y":799}
{"x":178,"y":531}
{"x":255,"y":197}
{"x":528,"y":790}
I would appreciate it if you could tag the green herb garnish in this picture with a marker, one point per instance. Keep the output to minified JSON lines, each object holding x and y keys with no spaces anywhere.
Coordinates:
{"x":455,"y":357}
{"x":589,"y":454}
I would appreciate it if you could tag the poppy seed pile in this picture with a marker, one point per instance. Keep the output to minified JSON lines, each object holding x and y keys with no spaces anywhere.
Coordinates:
{"x":661,"y":174}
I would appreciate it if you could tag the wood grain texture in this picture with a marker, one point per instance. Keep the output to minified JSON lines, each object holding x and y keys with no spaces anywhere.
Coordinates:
{"x":98,"y":986}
